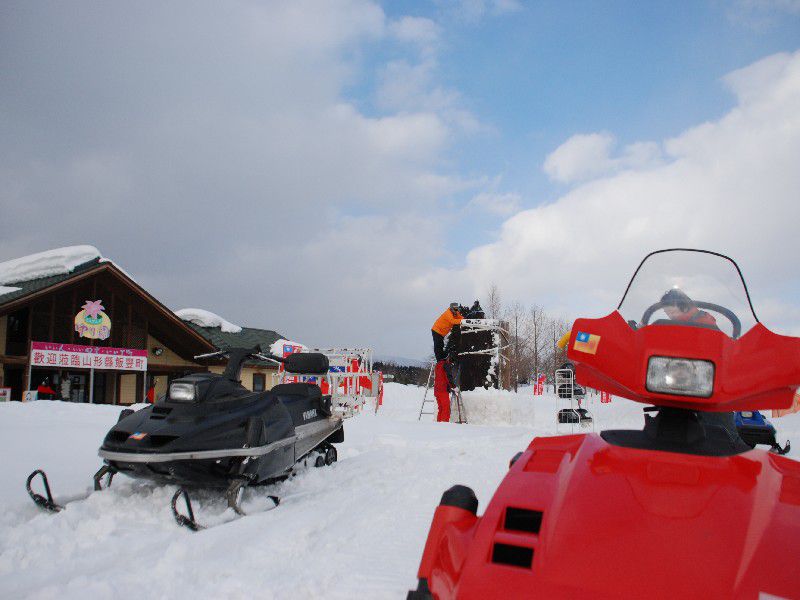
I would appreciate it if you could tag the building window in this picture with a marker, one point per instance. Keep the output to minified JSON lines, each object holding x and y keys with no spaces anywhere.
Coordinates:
{"x":259,"y":382}
{"x":17,"y":333}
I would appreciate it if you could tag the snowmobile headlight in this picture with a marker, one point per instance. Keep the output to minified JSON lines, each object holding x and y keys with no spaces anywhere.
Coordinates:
{"x":680,"y":376}
{"x":181,"y":392}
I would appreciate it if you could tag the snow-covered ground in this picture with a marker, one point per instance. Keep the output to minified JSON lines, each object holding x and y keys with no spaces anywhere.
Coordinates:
{"x":355,"y":529}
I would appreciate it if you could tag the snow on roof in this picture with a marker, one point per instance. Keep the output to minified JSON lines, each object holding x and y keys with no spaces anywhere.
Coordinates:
{"x":59,"y":261}
{"x":276,"y":349}
{"x":205,"y":318}
{"x":7,"y":290}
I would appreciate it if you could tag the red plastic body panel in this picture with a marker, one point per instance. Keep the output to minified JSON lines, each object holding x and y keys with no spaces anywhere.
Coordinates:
{"x":447,"y":546}
{"x":623,"y":523}
{"x":760,"y":370}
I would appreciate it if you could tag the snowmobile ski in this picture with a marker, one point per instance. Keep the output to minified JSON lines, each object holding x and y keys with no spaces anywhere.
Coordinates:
{"x":776,"y":448}
{"x":325,"y":455}
{"x":47,"y":503}
{"x":233,"y":496}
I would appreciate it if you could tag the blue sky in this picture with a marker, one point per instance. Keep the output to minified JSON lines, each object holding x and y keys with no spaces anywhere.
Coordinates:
{"x":341,"y":170}
{"x":538,"y":74}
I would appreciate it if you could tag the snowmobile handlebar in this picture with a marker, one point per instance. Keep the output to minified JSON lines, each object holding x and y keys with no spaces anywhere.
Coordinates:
{"x":726,"y":312}
{"x":303,"y":363}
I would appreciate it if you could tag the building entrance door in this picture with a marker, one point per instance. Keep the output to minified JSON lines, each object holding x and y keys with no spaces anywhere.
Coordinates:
{"x":12,"y":378}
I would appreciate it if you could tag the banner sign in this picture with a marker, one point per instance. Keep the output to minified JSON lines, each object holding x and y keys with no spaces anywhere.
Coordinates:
{"x":72,"y":356}
{"x":92,"y":322}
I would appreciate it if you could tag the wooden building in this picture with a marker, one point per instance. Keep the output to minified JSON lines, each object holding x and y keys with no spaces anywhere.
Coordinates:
{"x":94,"y":334}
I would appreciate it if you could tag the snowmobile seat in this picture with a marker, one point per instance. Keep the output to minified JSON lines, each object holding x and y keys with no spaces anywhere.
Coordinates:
{"x":307,"y":363}
{"x":307,"y":390}
{"x":304,"y":391}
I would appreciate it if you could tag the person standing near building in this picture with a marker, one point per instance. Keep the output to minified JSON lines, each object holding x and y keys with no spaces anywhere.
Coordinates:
{"x":442,"y":326}
{"x":441,"y":382}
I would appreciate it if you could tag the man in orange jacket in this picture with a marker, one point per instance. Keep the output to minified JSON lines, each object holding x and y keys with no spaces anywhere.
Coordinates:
{"x":442,"y":326}
{"x":441,"y":384}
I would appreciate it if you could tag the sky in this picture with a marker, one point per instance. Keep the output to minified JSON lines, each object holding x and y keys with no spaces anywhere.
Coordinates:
{"x":341,"y":170}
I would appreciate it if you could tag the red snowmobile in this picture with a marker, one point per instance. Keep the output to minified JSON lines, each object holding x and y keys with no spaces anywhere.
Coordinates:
{"x":681,"y":509}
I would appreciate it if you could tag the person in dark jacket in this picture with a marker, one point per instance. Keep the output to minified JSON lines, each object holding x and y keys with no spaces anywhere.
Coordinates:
{"x":679,"y":307}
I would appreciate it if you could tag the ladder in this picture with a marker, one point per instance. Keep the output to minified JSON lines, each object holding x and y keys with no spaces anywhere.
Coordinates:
{"x":455,"y":397}
{"x":425,"y":397}
{"x":455,"y":394}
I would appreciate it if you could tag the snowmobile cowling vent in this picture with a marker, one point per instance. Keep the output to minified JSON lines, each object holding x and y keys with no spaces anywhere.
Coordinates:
{"x":307,"y":363}
{"x":520,"y":519}
{"x":514,"y":556}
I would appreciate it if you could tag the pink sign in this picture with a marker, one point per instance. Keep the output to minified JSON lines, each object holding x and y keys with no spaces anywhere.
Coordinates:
{"x":73,"y":356}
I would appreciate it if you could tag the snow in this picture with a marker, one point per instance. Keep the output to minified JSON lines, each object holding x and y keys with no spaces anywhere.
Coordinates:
{"x":59,"y":261}
{"x":8,"y":289}
{"x":352,"y":530}
{"x":205,"y":318}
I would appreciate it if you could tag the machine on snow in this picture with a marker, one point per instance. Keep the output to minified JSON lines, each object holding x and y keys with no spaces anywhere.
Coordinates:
{"x":209,"y":431}
{"x":685,"y":506}
{"x":754,"y":429}
{"x":572,"y":393}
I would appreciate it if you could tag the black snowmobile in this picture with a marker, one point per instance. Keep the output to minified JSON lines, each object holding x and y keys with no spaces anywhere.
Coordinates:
{"x":209,"y":431}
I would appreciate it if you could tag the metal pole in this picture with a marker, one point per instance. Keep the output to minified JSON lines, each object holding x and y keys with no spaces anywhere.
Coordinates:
{"x":91,"y":386}
{"x":30,"y":375}
{"x":30,"y":367}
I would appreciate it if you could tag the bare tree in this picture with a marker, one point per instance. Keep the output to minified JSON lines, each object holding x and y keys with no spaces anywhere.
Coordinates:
{"x":537,"y":337}
{"x":494,"y":304}
{"x":516,"y":317}
{"x":558,"y":327}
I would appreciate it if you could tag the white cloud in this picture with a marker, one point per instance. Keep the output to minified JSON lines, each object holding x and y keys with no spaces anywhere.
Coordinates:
{"x":585,"y":156}
{"x":473,"y":11}
{"x":730,"y":185}
{"x":497,"y":204}
{"x":405,"y":86}
{"x":225,"y":174}
{"x":416,"y":30}
{"x":761,"y":14}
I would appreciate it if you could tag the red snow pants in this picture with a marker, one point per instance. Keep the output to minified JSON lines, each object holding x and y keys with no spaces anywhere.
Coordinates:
{"x":442,"y":392}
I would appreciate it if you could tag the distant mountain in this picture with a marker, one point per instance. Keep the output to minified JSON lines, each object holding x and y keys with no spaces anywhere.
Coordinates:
{"x":401,"y":361}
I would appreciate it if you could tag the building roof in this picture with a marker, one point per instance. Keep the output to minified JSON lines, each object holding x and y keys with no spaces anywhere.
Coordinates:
{"x":26,"y":288}
{"x":248,"y":337}
{"x":186,"y":340}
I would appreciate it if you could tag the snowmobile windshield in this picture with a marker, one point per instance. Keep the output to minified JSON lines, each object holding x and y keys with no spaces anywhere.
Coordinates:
{"x":691,"y":288}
